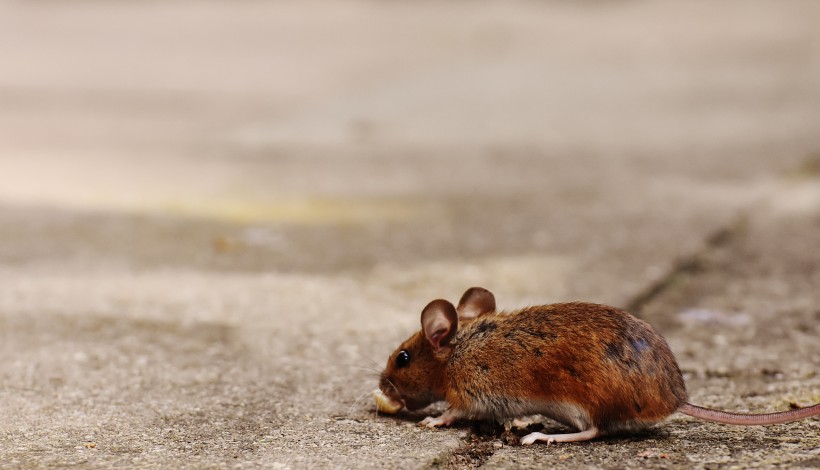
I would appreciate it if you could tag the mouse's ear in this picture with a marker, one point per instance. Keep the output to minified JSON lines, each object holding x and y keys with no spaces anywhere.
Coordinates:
{"x":475,"y":302}
{"x":439,"y":322}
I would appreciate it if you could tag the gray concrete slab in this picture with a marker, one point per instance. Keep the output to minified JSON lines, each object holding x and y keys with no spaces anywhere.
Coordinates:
{"x":217,"y":219}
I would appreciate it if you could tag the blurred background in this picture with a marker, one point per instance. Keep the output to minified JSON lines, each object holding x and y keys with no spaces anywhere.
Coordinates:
{"x":190,"y":185}
{"x":322,"y":135}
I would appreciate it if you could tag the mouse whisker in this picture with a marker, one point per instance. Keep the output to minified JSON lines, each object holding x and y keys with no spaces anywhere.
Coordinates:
{"x":392,"y":385}
{"x":375,"y":366}
{"x":361,"y":397}
{"x":370,"y":372}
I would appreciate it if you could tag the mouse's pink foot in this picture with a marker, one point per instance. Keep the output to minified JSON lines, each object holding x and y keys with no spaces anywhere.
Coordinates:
{"x":432,"y":422}
{"x":447,"y":418}
{"x":531,"y":438}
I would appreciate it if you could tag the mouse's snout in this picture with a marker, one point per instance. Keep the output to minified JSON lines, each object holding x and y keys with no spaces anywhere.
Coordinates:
{"x":411,"y":401}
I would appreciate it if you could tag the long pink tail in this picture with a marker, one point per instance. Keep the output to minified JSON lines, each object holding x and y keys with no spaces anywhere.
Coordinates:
{"x":749,"y":419}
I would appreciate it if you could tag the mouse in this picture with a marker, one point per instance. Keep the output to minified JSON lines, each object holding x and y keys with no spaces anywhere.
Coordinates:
{"x":598,"y":370}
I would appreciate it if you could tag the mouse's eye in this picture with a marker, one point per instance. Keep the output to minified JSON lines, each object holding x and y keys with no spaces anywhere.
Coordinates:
{"x":402,"y":359}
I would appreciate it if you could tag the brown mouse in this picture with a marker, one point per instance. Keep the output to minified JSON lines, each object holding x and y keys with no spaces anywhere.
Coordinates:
{"x":594,"y":368}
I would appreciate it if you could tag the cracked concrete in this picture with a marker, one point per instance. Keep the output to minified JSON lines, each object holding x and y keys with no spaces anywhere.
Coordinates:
{"x":217,"y":220}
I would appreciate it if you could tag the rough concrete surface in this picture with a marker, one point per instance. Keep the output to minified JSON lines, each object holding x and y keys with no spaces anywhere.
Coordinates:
{"x":217,"y":219}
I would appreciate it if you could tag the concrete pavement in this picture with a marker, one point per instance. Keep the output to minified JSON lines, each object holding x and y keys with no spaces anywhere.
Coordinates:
{"x":217,"y":220}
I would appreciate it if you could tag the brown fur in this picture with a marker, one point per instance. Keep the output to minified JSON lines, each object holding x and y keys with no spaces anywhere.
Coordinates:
{"x":581,"y":363}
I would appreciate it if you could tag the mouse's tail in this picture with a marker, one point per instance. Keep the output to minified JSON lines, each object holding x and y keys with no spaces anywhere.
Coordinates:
{"x":726,"y":417}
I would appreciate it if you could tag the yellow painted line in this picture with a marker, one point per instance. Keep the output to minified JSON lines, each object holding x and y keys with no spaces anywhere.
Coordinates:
{"x":305,"y":212}
{"x":302,"y":211}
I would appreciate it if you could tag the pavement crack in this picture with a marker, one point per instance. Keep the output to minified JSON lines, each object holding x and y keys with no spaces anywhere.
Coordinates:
{"x":689,"y":265}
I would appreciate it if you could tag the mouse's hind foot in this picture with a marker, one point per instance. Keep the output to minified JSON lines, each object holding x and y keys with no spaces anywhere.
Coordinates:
{"x":531,"y":438}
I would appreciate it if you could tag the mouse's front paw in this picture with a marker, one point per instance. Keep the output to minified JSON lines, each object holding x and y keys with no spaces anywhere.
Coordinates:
{"x":432,"y":422}
{"x":447,"y":418}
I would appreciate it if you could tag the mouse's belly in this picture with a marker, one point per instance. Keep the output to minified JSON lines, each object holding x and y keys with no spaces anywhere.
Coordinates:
{"x":502,"y":408}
